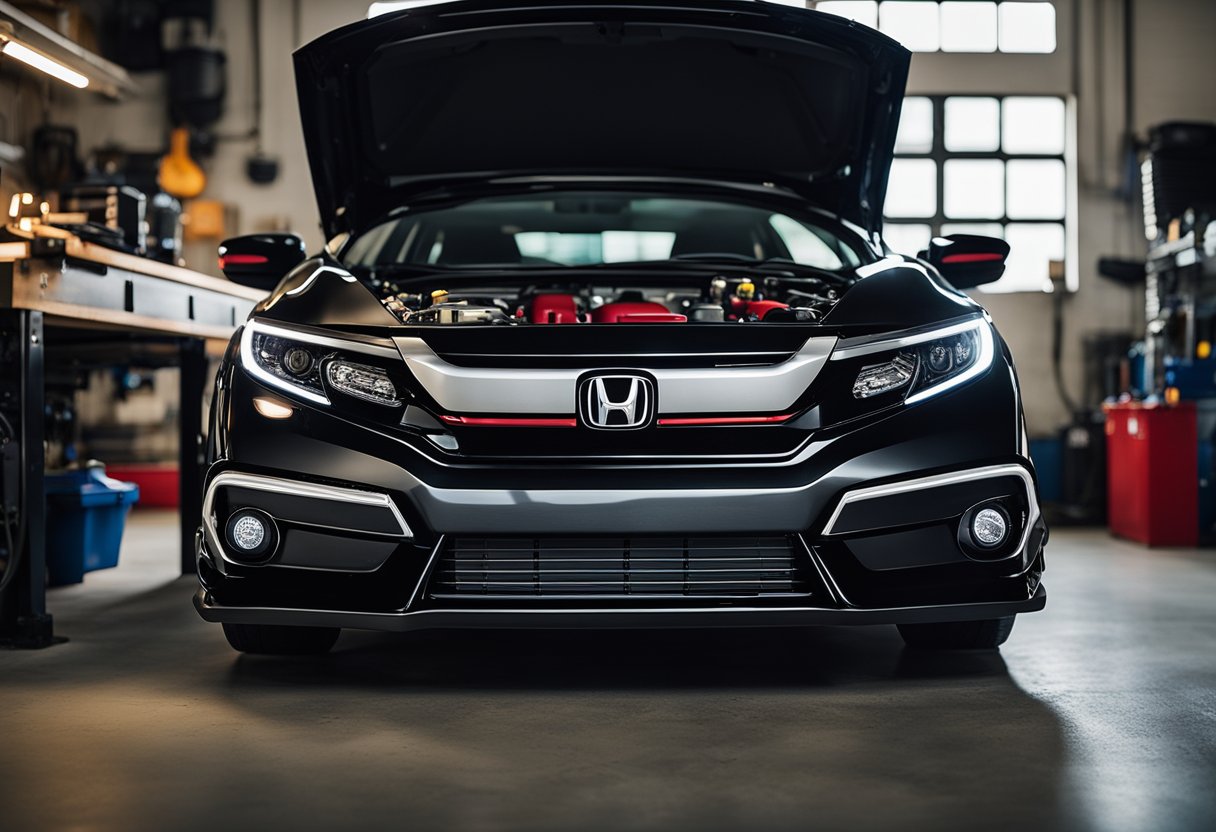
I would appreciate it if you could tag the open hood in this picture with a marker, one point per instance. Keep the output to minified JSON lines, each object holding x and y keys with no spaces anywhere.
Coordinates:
{"x":728,"y":90}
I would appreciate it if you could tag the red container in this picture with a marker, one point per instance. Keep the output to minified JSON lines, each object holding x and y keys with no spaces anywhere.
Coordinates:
{"x":1152,"y":473}
{"x":157,"y":483}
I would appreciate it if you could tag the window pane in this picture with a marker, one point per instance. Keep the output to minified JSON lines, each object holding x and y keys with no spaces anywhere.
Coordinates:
{"x":987,"y":229}
{"x":915,"y":127}
{"x":1031,"y":247}
{"x":1033,"y":125}
{"x":907,"y":238}
{"x":573,"y":248}
{"x":1027,"y":27}
{"x":864,"y":12}
{"x":804,"y":245}
{"x":968,"y":27}
{"x":975,"y":188}
{"x":914,"y":24}
{"x":973,"y":124}
{"x":912,"y":190}
{"x":1036,"y":189}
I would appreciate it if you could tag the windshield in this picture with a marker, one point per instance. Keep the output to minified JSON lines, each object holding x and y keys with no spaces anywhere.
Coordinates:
{"x":594,"y":228}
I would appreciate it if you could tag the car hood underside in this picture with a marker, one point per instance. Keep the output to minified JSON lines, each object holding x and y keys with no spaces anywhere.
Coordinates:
{"x":749,"y":92}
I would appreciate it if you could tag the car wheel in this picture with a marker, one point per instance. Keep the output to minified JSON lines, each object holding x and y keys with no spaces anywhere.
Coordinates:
{"x":958,"y":635}
{"x":281,"y":641}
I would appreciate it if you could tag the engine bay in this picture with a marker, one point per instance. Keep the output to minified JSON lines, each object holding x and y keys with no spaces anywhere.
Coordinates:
{"x":722,"y":299}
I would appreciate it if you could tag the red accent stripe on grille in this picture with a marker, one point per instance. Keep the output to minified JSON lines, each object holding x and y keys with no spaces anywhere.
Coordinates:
{"x":726,"y":420}
{"x":500,"y":422}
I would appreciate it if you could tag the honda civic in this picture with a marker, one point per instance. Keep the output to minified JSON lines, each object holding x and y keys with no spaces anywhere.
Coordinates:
{"x":605,"y":334}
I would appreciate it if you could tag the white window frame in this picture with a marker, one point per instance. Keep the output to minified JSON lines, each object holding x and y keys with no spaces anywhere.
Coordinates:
{"x":939,"y":155}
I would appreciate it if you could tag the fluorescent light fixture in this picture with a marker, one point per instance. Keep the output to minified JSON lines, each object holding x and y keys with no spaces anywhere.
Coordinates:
{"x":41,"y":62}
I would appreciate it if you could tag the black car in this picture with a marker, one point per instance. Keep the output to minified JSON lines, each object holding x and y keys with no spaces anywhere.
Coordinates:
{"x":606,"y":335}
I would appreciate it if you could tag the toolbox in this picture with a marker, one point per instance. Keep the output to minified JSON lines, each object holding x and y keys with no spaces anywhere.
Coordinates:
{"x":1152,"y":474}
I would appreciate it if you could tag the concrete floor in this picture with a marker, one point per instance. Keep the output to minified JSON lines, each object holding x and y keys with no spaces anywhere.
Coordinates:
{"x":1100,"y":713}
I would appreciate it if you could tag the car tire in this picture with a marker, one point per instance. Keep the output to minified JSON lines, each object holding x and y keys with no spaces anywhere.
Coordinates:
{"x":274,"y":640}
{"x":958,"y":635}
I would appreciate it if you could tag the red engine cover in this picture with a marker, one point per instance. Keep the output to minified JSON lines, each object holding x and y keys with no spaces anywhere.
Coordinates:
{"x":635,"y":312}
{"x":759,"y":308}
{"x":553,"y":309}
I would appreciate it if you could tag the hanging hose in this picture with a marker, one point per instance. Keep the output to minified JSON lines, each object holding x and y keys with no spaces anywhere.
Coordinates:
{"x":14,"y":551}
{"x":1057,"y":350}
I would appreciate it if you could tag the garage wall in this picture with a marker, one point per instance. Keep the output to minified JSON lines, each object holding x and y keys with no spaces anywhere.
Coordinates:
{"x":1172,"y":56}
{"x":1173,"y":62}
{"x":140,"y":122}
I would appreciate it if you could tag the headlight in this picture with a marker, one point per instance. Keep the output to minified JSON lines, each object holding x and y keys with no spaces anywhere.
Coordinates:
{"x":908,"y":368}
{"x":315,"y":368}
{"x":953,"y":360}
{"x":289,"y":365}
{"x":877,"y":379}
{"x":363,"y":382}
{"x":929,"y":364}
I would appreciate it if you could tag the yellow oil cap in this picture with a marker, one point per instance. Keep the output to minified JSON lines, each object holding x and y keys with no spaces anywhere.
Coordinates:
{"x":1172,"y":396}
{"x":746,"y":290}
{"x":1203,"y":349}
{"x":439,"y":294}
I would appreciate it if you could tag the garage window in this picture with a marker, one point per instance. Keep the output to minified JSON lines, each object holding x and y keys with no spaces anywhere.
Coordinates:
{"x":1028,"y":26}
{"x":992,"y":165}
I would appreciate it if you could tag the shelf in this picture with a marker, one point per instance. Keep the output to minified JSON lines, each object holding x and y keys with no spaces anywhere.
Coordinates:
{"x":105,"y":77}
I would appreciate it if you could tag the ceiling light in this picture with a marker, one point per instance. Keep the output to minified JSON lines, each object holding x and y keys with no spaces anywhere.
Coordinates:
{"x":41,"y":62}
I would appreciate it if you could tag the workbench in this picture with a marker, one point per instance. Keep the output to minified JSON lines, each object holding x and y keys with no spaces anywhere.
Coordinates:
{"x":102,"y":307}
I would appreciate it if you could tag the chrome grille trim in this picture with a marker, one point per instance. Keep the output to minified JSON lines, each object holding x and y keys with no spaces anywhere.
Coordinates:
{"x":507,"y":390}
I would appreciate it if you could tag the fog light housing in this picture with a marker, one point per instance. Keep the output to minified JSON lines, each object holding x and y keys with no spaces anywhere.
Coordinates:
{"x":251,"y":535}
{"x":989,"y":528}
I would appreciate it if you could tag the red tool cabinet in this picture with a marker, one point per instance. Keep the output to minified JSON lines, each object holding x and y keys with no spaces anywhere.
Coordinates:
{"x":1152,"y":473}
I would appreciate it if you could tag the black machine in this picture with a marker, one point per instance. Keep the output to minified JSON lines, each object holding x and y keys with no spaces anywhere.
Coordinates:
{"x":121,"y":209}
{"x":634,"y":362}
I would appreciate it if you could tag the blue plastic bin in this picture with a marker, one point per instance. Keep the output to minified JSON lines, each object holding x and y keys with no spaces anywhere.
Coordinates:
{"x":86,"y":512}
{"x":1048,"y":457}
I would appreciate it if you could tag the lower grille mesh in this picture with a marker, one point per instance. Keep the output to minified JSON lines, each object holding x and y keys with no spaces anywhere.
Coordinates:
{"x":606,"y":567}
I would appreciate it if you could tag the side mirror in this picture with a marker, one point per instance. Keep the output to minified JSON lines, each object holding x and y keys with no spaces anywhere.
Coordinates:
{"x":967,"y":260}
{"x":260,"y":260}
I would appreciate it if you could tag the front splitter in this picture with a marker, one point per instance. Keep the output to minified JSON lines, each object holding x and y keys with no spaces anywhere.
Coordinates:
{"x":623,"y":618}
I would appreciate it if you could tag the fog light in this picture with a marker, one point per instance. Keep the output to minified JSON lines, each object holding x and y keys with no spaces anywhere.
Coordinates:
{"x":248,"y":532}
{"x":989,"y":527}
{"x":251,"y":534}
{"x":272,"y":408}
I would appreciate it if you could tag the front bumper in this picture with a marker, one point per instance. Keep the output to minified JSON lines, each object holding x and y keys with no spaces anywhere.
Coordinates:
{"x":610,"y":618}
{"x":875,"y":513}
{"x":886,"y":554}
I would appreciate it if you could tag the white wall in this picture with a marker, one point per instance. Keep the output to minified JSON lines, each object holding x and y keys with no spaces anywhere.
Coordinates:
{"x":288,"y":203}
